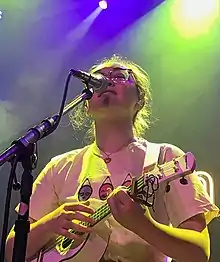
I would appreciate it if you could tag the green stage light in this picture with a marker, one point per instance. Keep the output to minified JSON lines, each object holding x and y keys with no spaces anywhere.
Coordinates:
{"x":195,"y":17}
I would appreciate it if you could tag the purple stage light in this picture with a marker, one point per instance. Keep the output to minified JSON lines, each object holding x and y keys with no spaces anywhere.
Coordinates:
{"x":103,"y":4}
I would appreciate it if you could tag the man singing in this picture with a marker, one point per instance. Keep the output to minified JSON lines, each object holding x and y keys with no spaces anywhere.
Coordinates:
{"x":73,"y":184}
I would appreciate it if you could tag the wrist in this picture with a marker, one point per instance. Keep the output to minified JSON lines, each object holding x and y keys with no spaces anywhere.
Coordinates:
{"x":145,"y":225}
{"x":46,"y":225}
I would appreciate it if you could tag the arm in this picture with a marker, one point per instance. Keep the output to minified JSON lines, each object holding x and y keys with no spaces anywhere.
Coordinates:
{"x":188,"y":243}
{"x":51,"y":225}
{"x":49,"y":219}
{"x":38,"y":230}
{"x":188,"y":240}
{"x":43,"y":201}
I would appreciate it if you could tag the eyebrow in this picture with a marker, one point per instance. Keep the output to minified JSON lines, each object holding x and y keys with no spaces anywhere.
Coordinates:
{"x":119,"y":68}
{"x":113,"y":69}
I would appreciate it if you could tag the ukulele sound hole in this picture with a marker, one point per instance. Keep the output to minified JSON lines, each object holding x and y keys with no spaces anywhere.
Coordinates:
{"x":69,"y":242}
{"x":66,"y":243}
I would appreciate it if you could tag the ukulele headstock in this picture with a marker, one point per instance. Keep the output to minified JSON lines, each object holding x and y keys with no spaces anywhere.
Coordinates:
{"x":143,"y":190}
{"x":176,"y":168}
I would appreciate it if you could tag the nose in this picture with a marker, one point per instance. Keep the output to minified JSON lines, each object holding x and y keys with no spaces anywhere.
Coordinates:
{"x":110,"y":83}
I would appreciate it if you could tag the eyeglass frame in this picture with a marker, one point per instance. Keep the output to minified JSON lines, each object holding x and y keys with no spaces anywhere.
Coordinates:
{"x":119,"y":68}
{"x":114,"y":69}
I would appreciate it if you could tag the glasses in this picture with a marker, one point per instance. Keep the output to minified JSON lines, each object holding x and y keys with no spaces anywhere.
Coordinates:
{"x":118,"y":75}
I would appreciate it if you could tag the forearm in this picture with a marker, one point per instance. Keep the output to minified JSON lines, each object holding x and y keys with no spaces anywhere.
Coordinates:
{"x":38,"y":236}
{"x":182,"y":245}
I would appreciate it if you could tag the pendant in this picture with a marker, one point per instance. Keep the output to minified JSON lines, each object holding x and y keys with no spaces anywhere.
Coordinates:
{"x":107,"y":160}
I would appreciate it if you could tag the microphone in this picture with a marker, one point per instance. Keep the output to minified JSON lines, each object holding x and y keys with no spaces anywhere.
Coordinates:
{"x":95,"y":81}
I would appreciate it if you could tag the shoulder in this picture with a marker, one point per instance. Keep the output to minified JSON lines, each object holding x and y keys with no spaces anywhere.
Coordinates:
{"x":68,"y":157}
{"x":166,"y":151}
{"x":176,"y":151}
{"x":62,"y":166}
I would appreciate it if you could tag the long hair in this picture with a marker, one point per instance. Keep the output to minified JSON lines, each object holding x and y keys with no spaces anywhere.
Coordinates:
{"x":80,"y":120}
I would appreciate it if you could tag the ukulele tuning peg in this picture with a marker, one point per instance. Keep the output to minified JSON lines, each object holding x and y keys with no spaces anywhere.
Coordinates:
{"x":183,"y":181}
{"x":167,"y":188}
{"x":175,"y":161}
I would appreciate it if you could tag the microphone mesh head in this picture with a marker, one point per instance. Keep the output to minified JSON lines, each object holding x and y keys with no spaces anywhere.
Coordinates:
{"x":98,"y":82}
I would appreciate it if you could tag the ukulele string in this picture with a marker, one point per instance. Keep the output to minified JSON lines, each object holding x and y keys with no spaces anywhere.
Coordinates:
{"x":101,"y":212}
{"x":104,"y":210}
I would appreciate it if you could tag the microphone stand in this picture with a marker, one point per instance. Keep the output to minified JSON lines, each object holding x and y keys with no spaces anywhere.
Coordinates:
{"x":24,"y":150}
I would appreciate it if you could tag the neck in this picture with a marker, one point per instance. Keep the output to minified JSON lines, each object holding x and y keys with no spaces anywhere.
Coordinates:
{"x":111,"y":135}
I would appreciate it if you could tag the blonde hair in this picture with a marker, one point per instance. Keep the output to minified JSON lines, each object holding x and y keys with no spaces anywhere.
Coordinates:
{"x":81,"y":120}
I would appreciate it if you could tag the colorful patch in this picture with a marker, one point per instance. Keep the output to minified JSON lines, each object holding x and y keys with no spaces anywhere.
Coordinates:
{"x":106,"y":188}
{"x":85,"y":191}
{"x":127,"y":181}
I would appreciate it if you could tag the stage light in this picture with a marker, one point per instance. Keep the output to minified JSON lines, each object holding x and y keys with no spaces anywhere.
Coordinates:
{"x":103,"y":4}
{"x":194,"y":17}
{"x":199,"y":9}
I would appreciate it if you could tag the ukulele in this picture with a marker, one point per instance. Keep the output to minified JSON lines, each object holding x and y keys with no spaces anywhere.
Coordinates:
{"x":91,"y":247}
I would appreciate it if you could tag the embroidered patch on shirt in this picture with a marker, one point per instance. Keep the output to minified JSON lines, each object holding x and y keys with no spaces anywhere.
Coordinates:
{"x":106,"y":188}
{"x":127,"y":181}
{"x":85,"y":191}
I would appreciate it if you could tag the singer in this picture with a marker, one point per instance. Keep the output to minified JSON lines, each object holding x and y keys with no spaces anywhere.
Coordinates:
{"x":68,"y":191}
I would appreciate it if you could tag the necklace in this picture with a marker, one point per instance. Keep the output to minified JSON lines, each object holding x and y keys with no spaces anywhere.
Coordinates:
{"x":107,"y":159}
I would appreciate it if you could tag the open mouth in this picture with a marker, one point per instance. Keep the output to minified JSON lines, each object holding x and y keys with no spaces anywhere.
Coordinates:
{"x":107,"y":91}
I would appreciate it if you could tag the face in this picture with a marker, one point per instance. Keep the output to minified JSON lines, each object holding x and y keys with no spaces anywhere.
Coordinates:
{"x":119,"y":99}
